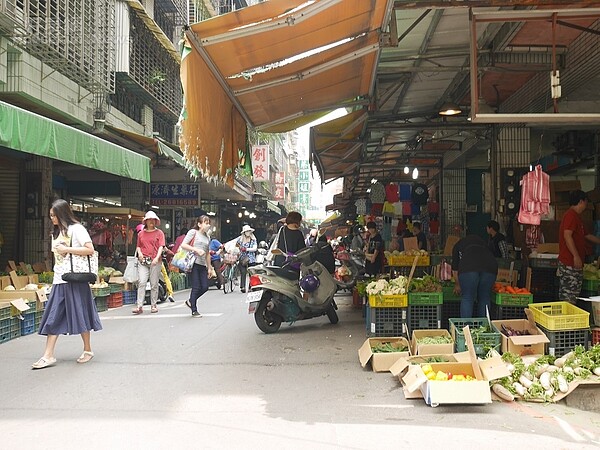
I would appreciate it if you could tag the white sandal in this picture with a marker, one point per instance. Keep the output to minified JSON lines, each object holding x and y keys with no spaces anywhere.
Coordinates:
{"x":43,"y":362}
{"x":85,"y":357}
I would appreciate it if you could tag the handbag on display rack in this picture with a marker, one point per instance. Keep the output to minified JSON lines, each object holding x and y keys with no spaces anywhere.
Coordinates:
{"x":184,"y":259}
{"x":84,"y":269}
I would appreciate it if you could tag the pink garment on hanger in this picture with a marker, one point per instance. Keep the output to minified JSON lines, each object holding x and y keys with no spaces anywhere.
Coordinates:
{"x":535,"y":196}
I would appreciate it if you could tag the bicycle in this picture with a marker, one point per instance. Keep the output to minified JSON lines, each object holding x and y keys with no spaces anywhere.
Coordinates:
{"x":231,"y":273}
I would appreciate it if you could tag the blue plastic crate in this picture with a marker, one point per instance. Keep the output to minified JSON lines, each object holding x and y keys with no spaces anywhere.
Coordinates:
{"x":129,"y":297}
{"x":9,"y":329}
{"x":28,"y":324}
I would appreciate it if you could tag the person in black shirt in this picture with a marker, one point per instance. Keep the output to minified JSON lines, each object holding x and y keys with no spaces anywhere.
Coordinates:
{"x":496,"y":240}
{"x":421,"y":238}
{"x":289,"y":238}
{"x":374,"y":259}
{"x":325,"y":255}
{"x":475,"y":269}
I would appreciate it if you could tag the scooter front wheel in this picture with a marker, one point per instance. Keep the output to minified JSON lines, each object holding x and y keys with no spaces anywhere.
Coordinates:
{"x":332,"y":315}
{"x":266,"y":321}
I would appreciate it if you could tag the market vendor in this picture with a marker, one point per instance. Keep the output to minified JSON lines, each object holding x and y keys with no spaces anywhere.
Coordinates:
{"x":374,"y":255}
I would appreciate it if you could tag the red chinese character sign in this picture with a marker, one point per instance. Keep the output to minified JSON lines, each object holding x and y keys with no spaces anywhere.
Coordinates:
{"x":279,"y":185}
{"x":260,"y":162}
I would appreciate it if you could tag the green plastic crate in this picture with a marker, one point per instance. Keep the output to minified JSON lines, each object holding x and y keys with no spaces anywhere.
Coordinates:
{"x":101,"y":303}
{"x":482,"y":342}
{"x":504,"y":299}
{"x":591,"y":285}
{"x":425,"y":298}
{"x":449,"y":295}
{"x":9,"y":329}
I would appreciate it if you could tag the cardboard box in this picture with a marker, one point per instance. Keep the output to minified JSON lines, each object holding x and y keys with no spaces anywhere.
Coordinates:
{"x":450,"y":242}
{"x":594,"y":195}
{"x":430,"y":349}
{"x":532,"y":344}
{"x":381,"y":362}
{"x":551,"y":248}
{"x":18,"y":281}
{"x":4,"y":282}
{"x":401,"y":366}
{"x":457,"y":392}
{"x":17,"y":307}
{"x":559,"y":190}
{"x":116,"y":280}
{"x":38,"y":296}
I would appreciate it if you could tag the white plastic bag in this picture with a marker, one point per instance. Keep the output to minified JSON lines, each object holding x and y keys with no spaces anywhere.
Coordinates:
{"x":131,"y":271}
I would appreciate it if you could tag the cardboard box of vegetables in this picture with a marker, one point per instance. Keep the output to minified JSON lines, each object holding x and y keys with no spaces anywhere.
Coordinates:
{"x":383,"y":352}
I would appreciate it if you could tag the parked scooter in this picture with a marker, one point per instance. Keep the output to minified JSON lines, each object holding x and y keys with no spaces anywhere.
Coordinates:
{"x":280,"y":294}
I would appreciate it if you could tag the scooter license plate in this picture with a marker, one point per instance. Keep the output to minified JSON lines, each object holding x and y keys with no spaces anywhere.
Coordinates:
{"x":254,"y":296}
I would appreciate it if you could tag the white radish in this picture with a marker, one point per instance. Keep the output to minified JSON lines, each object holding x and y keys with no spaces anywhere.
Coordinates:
{"x":566,"y":356}
{"x":519,"y":388}
{"x":510,"y":367}
{"x":552,"y":368}
{"x":549,"y":393}
{"x":563,"y":386}
{"x":528,"y":375}
{"x":559,"y":362}
{"x":568,"y":369}
{"x":597,"y":371}
{"x":502,"y":392}
{"x":577,"y":370}
{"x":541,"y":369}
{"x":526,"y":382}
{"x":545,"y":380}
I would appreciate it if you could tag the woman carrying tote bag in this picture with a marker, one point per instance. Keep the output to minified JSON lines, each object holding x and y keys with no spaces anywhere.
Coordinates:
{"x":70,"y":308}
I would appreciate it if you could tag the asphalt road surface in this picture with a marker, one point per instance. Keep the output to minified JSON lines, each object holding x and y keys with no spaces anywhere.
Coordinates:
{"x":168,"y":380}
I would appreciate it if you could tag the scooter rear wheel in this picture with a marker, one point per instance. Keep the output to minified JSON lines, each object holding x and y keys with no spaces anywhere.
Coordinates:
{"x":332,"y":315}
{"x":266,"y":321}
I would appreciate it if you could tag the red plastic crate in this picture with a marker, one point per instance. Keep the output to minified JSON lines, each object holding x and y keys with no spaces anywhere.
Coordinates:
{"x":595,"y":335}
{"x":115,"y":300}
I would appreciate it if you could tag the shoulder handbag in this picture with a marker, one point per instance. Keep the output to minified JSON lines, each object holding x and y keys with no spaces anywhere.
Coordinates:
{"x":84,"y":269}
{"x":184,"y":259}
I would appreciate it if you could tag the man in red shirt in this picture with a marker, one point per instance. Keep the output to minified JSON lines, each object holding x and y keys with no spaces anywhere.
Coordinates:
{"x":572,"y":248}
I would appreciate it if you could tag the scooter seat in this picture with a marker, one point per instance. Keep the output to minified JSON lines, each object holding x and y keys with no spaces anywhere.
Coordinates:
{"x":284,"y":272}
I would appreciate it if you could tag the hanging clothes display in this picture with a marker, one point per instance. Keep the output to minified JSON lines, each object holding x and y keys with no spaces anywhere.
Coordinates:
{"x":391,"y":193}
{"x":535,"y":196}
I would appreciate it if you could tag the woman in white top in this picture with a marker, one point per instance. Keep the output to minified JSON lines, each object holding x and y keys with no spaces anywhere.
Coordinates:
{"x":71,"y":308}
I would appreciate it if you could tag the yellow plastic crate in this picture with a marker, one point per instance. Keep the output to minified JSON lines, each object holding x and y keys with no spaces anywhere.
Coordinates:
{"x":388,"y":301}
{"x":557,"y":316}
{"x":405,"y":260}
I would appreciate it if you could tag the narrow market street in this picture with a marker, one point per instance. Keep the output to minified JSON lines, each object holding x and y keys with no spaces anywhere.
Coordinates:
{"x":164,"y":380}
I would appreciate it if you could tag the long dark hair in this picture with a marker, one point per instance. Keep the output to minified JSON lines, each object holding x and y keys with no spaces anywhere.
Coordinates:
{"x":62,"y":211}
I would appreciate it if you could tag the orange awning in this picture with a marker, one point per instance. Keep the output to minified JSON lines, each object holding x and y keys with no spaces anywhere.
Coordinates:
{"x":336,"y":146}
{"x":278,"y":65}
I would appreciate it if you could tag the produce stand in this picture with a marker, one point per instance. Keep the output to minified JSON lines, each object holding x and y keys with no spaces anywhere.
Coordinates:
{"x":128,"y":216}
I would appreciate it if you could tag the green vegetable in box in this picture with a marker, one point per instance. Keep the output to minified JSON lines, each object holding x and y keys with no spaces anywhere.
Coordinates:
{"x":428,"y":283}
{"x":396,"y":286}
{"x":389,"y":347}
{"x":46,"y":277}
{"x":361,"y":288}
{"x":591,"y":272}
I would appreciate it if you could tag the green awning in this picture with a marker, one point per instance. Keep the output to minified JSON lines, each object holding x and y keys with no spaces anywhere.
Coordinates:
{"x":30,"y":133}
{"x":167,"y":151}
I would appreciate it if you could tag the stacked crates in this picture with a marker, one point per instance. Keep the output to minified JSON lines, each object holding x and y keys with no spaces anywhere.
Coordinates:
{"x":115,"y":300}
{"x":28,"y":323}
{"x":10,"y":328}
{"x":450,"y":306}
{"x":101,"y":303}
{"x":129,"y":297}
{"x":424,"y":310}
{"x":565,"y":325}
{"x":510,"y":306}
{"x":386,"y":315}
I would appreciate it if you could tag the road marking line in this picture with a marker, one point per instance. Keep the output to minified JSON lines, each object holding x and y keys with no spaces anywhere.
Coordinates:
{"x":157,"y":316}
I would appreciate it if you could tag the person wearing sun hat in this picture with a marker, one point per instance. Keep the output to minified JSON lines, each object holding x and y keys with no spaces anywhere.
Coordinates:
{"x":150,"y":244}
{"x":248,"y":247}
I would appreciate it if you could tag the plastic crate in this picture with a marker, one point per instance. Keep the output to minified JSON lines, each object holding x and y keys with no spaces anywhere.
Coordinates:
{"x":424,"y":317}
{"x":591,"y":285}
{"x":129,"y":297}
{"x":101,"y":303}
{"x":562,"y":342}
{"x":38,"y":319}
{"x":385,"y":322}
{"x":420,"y":271}
{"x":595,"y":335}
{"x":388,"y":301}
{"x":513,"y":299}
{"x":115,"y":300}
{"x":405,"y":260}
{"x":449,"y":295}
{"x":449,"y":309}
{"x":508,"y":312}
{"x":115,"y":287}
{"x":5,"y":312}
{"x":544,"y":285}
{"x":482,"y":342}
{"x":543,"y":263}
{"x":425,"y":298}
{"x":101,"y":292}
{"x":28,"y":323}
{"x":557,"y":316}
{"x":9,"y":329}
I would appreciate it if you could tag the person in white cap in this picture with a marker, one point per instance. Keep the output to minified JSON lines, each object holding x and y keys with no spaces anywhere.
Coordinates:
{"x":248,"y":247}
{"x":150,"y":244}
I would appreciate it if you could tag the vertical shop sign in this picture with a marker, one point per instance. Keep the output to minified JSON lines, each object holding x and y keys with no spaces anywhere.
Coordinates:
{"x":260,"y":162}
{"x":303,"y":184}
{"x":279,"y":185}
{"x":180,"y":194}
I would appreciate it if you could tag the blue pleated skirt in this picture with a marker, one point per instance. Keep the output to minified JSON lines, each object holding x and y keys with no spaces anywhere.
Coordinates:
{"x":70,"y":309}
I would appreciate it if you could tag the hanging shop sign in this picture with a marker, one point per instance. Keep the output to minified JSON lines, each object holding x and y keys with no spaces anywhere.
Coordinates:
{"x":279,"y":185}
{"x":260,"y":162}
{"x":179,"y":194}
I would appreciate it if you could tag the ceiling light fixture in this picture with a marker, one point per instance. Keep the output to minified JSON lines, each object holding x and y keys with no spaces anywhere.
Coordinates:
{"x":415,"y":173}
{"x":450,"y":109}
{"x":406,"y":170}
